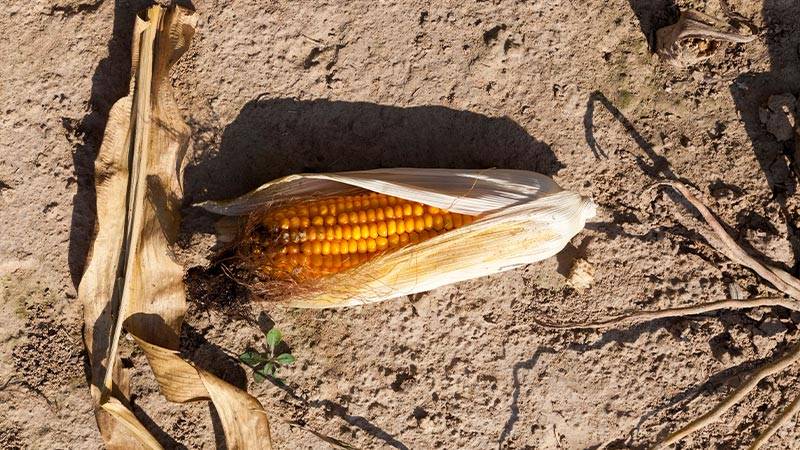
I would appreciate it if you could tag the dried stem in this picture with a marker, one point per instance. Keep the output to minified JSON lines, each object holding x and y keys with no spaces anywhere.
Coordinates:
{"x":780,"y":279}
{"x":677,"y":312}
{"x":780,"y":421}
{"x":734,"y":398}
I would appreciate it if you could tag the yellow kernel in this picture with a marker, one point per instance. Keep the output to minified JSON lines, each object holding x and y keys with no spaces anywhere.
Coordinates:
{"x":391,"y":227}
{"x":370,"y":215}
{"x":382,"y":243}
{"x":353,"y":217}
{"x":292,"y":249}
{"x":344,"y":219}
{"x":372,"y":245}
{"x":428,"y":221}
{"x":316,"y":247}
{"x":318,"y":221}
{"x":323,"y":209}
{"x":362,"y":216}
{"x":284,"y":223}
{"x":305,"y":222}
{"x":409,"y":222}
{"x":419,"y":224}
{"x":382,"y":230}
{"x":401,"y":226}
{"x":388,"y":212}
{"x":306,"y":247}
{"x":379,"y":214}
{"x":438,"y":222}
{"x":382,"y":201}
{"x":433,"y":210}
{"x":326,"y":248}
{"x":347,"y":232}
{"x":348,"y":205}
{"x":364,"y":231}
{"x":356,"y":232}
{"x":418,"y":209}
{"x":330,"y":220}
{"x":394,"y":240}
{"x":335,"y":247}
{"x":329,"y":233}
{"x":391,"y":200}
{"x":352,"y":246}
{"x":313,"y":210}
{"x":337,"y":232}
{"x":362,"y":246}
{"x":294,"y":223}
{"x":408,"y":209}
{"x":373,"y":230}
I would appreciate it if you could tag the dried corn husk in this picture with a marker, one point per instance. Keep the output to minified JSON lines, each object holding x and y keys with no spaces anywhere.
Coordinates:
{"x":524,"y":217}
{"x":131,"y":280}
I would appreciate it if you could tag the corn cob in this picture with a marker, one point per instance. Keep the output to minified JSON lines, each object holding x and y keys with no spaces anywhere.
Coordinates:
{"x":324,"y":236}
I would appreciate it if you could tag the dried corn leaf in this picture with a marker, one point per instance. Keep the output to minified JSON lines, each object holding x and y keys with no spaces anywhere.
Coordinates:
{"x":131,"y":280}
{"x":524,"y":217}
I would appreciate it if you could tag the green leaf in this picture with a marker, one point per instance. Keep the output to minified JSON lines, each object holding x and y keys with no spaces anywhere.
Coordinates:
{"x":258,"y":377}
{"x":252,"y":358}
{"x":273,"y":338}
{"x":268,"y":370}
{"x":284,"y":359}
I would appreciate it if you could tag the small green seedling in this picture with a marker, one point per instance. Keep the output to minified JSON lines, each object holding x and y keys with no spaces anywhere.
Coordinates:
{"x":265,"y":364}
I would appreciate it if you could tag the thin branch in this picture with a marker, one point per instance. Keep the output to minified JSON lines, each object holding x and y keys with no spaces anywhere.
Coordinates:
{"x":677,"y":312}
{"x":779,"y":278}
{"x":715,"y":413}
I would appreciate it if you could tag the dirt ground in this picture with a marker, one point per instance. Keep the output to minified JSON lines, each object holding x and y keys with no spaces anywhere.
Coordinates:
{"x":568,"y":88}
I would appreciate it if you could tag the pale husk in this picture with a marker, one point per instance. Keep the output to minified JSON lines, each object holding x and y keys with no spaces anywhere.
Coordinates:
{"x":524,"y":217}
{"x":131,"y":280}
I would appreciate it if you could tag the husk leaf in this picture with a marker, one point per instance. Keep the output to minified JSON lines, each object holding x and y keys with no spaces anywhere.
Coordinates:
{"x":131,"y":280}
{"x":525,"y":217}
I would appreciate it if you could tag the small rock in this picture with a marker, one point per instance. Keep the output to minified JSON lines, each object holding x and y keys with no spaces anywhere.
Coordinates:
{"x":581,"y":274}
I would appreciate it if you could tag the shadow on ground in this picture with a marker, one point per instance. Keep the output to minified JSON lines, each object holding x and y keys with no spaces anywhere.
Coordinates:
{"x":272,"y":138}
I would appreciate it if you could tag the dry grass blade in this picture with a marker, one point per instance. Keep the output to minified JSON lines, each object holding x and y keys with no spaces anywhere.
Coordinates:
{"x":131,"y":281}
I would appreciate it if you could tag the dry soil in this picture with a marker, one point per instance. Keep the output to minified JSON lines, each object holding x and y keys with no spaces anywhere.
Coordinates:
{"x":566,"y":87}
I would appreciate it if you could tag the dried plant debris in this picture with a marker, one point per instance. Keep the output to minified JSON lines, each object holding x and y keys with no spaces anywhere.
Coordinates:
{"x":778,"y":278}
{"x":694,"y":38}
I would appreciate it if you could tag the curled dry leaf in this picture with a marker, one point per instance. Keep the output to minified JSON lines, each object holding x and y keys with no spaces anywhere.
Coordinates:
{"x":131,"y":280}
{"x":695,"y":38}
{"x":350,"y":238}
